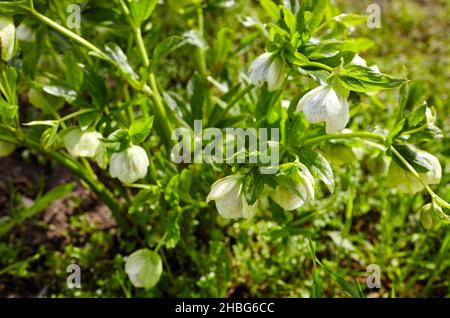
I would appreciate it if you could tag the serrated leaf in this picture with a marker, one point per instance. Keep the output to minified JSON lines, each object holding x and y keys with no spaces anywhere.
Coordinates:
{"x":140,"y":129}
{"x":363,"y":79}
{"x":253,"y":185}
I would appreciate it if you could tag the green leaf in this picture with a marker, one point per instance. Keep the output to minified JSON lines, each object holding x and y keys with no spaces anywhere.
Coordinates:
{"x":117,"y":55}
{"x":7,"y":112}
{"x":278,"y":213}
{"x":14,"y":7}
{"x":363,"y":79}
{"x":290,"y":20}
{"x":349,"y":288}
{"x":166,"y":47}
{"x":318,"y":166}
{"x":414,"y":158}
{"x":69,"y":95}
{"x":140,"y":129}
{"x":74,"y":73}
{"x":39,"y":205}
{"x":253,"y":185}
{"x":118,"y":141}
{"x":271,"y":9}
{"x":318,"y":12}
{"x":350,"y":19}
{"x":8,"y":79}
{"x":144,"y":268}
{"x":85,"y":120}
{"x":141,"y":9}
{"x":197,"y":95}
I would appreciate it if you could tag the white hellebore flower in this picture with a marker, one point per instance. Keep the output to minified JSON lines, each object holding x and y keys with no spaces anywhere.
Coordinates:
{"x":7,"y":38}
{"x":267,"y":68}
{"x":230,"y":198}
{"x":129,"y":165}
{"x":407,"y":182}
{"x":324,"y":104}
{"x":290,"y":200}
{"x":82,"y":143}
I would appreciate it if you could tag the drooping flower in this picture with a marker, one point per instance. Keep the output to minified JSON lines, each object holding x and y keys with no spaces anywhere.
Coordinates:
{"x":407,"y":182}
{"x":82,"y":143}
{"x":144,"y":268}
{"x":304,"y":184}
{"x":324,"y":104}
{"x":267,"y":68}
{"x":229,"y":197}
{"x":129,"y":165}
{"x":7,"y":38}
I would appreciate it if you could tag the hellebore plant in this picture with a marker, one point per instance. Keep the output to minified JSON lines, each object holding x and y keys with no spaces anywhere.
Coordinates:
{"x":120,"y":112}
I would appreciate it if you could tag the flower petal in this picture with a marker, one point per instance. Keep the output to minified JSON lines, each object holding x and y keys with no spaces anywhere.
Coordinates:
{"x":337,"y":112}
{"x":221,"y":187}
{"x":275,"y":75}
{"x":259,"y":68}
{"x":313,"y":104}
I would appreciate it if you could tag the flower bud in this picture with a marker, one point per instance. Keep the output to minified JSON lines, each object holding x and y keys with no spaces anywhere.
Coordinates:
{"x":406,"y":181}
{"x":267,"y":68}
{"x":324,"y":104}
{"x":7,"y":38}
{"x":50,"y":140}
{"x":304,"y":184}
{"x":230,"y":199}
{"x":82,"y":143}
{"x":129,"y":165}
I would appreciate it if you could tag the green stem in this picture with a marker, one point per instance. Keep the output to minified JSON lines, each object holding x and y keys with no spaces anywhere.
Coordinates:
{"x":320,"y":65}
{"x":200,"y":51}
{"x":70,"y":34}
{"x":141,"y":46}
{"x":363,"y":135}
{"x":415,"y":130}
{"x":75,"y":114}
{"x":160,"y":111}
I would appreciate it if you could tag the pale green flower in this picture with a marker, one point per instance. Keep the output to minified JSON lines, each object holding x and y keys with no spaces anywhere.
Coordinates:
{"x":406,"y":181}
{"x":290,"y":200}
{"x":267,"y":68}
{"x":129,"y":165}
{"x":229,"y":197}
{"x":324,"y":104}
{"x":7,"y":38}
{"x":82,"y":143}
